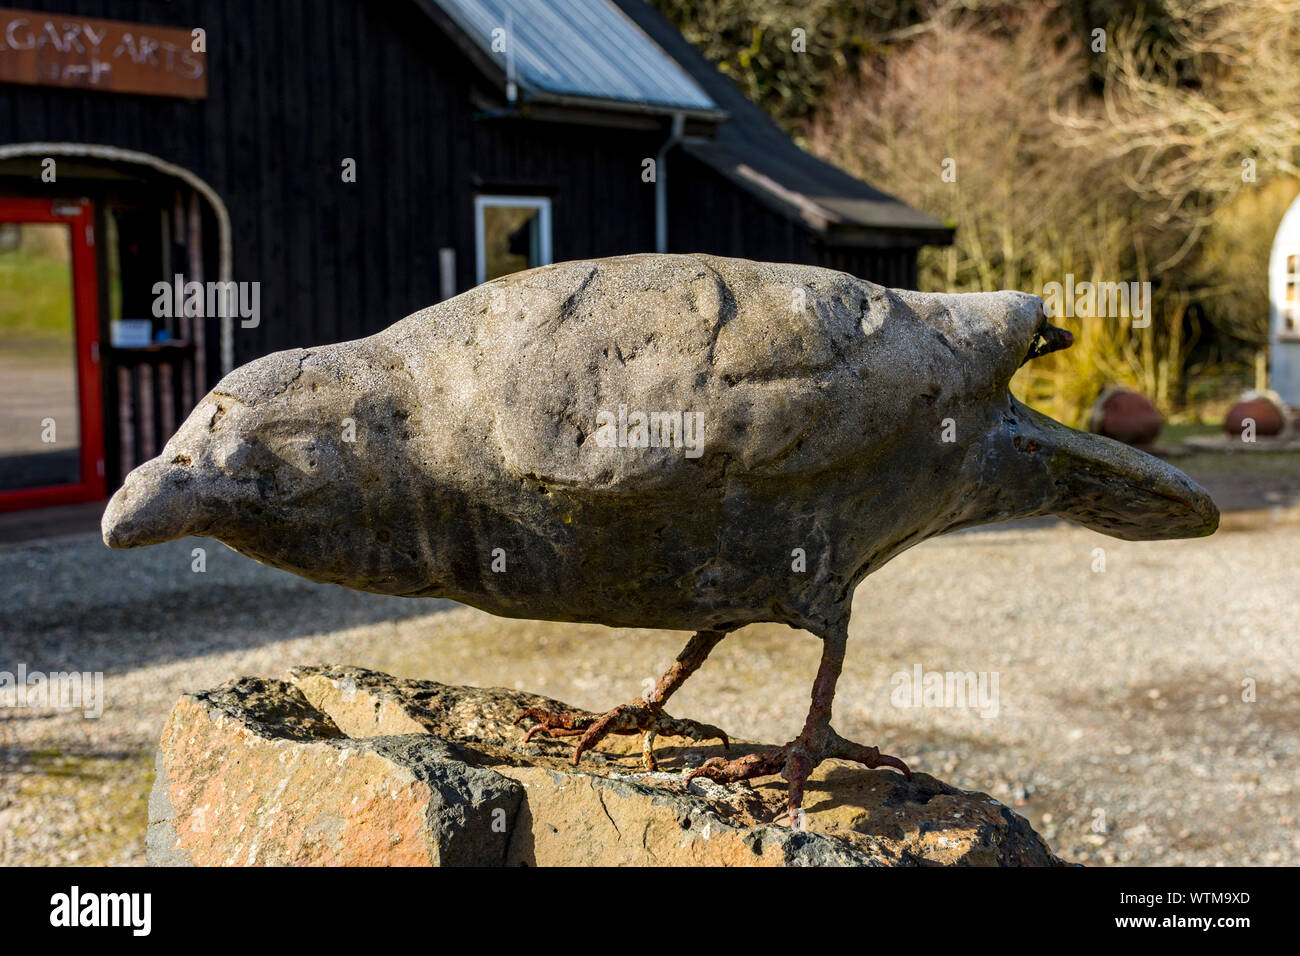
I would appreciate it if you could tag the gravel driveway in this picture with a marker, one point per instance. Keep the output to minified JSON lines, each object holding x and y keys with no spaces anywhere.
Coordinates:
{"x":1119,"y":726}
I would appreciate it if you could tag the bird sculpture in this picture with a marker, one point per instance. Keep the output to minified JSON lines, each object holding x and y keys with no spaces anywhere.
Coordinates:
{"x":671,"y":441}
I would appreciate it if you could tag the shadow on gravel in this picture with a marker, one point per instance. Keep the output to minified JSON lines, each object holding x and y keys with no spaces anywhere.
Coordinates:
{"x":80,"y":762}
{"x":123,"y":637}
{"x":74,"y":605}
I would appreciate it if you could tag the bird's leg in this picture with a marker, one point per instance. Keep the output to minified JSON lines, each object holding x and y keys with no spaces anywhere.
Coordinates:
{"x":817,"y":742}
{"x":645,"y":715}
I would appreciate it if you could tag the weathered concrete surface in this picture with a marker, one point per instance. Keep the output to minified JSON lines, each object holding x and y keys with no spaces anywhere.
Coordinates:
{"x":347,"y":766}
{"x":459,"y":454}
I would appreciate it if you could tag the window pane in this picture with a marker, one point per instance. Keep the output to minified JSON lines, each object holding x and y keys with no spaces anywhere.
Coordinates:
{"x":511,"y":239}
{"x":38,"y":359}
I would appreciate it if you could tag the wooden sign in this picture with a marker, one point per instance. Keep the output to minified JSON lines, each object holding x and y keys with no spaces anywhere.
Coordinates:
{"x":50,"y":49}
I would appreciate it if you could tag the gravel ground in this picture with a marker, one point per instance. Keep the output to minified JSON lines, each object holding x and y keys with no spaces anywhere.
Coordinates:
{"x":1120,"y":728}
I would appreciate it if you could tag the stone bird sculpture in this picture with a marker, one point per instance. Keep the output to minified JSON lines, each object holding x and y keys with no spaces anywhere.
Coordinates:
{"x":665,"y":441}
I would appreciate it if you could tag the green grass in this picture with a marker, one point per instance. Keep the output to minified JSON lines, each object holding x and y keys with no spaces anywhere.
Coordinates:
{"x":35,"y":297}
{"x":1244,"y":464}
{"x":1172,"y":434}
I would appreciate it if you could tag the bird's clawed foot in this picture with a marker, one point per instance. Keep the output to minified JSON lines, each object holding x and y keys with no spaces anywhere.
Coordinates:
{"x":640,"y":716}
{"x":795,"y":761}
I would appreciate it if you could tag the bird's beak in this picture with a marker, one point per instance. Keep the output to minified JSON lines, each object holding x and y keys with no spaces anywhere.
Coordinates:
{"x":1112,"y":488}
{"x":158,"y":502}
{"x":1048,"y":339}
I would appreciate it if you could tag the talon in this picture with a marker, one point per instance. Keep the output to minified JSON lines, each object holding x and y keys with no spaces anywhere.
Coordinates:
{"x":870,"y":757}
{"x":640,"y":716}
{"x":884,"y":760}
{"x":702,"y":770}
{"x":797,"y":768}
{"x":796,"y":762}
{"x":721,"y":770}
{"x":534,"y":712}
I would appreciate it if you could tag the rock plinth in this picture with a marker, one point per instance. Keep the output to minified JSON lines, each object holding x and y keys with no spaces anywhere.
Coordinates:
{"x":345,"y":766}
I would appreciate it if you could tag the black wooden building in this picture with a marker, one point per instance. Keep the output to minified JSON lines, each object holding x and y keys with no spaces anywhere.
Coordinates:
{"x":358,"y":161}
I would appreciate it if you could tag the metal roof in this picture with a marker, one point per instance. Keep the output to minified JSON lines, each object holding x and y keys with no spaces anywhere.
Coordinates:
{"x":588,"y":49}
{"x":754,"y":153}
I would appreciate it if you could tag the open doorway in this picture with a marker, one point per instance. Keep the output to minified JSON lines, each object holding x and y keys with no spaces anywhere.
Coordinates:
{"x":136,"y":222}
{"x":51,"y":421}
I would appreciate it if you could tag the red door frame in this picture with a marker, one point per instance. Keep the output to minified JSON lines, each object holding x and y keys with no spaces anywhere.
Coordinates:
{"x":78,"y":215}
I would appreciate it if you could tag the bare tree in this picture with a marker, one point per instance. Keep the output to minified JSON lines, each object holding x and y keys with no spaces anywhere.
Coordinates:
{"x":1199,"y":114}
{"x":958,"y":121}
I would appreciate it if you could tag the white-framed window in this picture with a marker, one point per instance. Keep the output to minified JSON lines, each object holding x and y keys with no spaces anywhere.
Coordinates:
{"x":511,"y":233}
{"x":1291,"y":301}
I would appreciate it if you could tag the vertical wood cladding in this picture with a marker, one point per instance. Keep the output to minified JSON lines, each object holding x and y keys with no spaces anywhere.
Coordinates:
{"x":296,"y":86}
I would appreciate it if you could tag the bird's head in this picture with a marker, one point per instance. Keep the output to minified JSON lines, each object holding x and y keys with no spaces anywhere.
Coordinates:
{"x":1036,"y":465}
{"x":263,"y":455}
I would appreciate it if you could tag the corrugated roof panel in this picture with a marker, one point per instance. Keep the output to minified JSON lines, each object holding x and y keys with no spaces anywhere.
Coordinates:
{"x":584,"y":48}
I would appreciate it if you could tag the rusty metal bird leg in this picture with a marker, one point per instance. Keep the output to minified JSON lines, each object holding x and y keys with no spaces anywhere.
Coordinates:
{"x":817,"y":742}
{"x":645,"y":715}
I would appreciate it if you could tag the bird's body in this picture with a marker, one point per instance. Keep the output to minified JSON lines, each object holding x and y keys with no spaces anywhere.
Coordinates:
{"x":489,"y":449}
{"x":466,"y":436}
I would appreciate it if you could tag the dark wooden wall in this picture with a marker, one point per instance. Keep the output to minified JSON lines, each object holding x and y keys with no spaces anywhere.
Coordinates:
{"x":709,"y":213}
{"x":297,"y":85}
